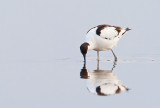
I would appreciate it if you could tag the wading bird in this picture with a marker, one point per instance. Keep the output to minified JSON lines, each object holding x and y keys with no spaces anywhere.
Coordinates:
{"x":102,"y":38}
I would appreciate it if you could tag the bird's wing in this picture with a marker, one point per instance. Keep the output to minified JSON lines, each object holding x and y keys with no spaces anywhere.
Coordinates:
{"x":108,"y":32}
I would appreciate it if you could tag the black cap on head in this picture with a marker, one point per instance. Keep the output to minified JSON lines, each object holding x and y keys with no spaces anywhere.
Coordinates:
{"x":84,"y":49}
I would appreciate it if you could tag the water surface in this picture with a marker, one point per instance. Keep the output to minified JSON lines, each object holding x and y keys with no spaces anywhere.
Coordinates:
{"x":41,"y":64}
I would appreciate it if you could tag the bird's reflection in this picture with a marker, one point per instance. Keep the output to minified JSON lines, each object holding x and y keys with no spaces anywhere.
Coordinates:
{"x":103,"y":82}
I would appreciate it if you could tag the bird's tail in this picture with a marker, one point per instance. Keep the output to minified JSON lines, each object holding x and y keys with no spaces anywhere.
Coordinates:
{"x":127,"y":29}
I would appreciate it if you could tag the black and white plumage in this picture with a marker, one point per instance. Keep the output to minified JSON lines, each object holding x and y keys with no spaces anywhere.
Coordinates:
{"x":102,"y":38}
{"x":103,"y":82}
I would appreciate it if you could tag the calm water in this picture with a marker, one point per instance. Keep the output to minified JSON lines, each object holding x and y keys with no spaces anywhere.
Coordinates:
{"x":57,"y":83}
{"x":41,"y":65}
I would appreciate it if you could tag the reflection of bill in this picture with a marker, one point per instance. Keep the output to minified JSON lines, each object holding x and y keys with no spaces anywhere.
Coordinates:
{"x":103,"y":82}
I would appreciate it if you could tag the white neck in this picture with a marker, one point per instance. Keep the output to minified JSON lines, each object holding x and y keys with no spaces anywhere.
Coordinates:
{"x":90,"y":47}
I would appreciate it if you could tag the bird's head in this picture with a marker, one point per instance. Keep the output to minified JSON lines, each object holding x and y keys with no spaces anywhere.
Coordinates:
{"x":84,"y":49}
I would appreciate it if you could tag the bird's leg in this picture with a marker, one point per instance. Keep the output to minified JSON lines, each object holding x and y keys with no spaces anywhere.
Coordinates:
{"x":97,"y":55}
{"x":98,"y":65}
{"x":114,"y":65}
{"x":115,"y":57}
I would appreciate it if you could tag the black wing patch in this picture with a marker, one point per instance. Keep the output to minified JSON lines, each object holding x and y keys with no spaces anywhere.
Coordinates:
{"x":118,"y":29}
{"x":100,"y":27}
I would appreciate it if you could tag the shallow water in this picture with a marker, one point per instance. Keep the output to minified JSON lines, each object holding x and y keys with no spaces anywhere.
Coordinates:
{"x":41,"y":64}
{"x":58,"y":83}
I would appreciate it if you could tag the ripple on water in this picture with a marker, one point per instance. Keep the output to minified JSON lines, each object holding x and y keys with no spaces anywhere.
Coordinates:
{"x":135,"y":59}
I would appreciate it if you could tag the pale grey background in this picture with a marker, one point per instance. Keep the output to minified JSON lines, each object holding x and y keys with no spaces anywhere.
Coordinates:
{"x":40,"y":60}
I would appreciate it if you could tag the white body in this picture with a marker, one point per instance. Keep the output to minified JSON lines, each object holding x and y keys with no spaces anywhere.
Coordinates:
{"x":107,"y":40}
